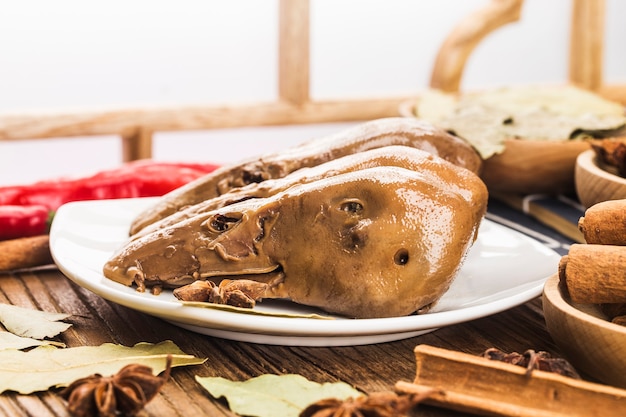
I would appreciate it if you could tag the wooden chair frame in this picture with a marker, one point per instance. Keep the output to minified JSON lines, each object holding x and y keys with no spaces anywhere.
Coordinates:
{"x":294,"y":104}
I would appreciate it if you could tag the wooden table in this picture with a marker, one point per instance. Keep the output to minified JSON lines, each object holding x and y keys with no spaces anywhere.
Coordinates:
{"x":368,"y":368}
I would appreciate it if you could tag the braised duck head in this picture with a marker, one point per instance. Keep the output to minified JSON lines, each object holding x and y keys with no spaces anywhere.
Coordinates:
{"x":376,"y":242}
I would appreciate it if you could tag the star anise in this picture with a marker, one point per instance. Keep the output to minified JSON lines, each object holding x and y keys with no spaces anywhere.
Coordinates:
{"x":532,"y":360}
{"x":377,"y":404}
{"x":127,"y":392}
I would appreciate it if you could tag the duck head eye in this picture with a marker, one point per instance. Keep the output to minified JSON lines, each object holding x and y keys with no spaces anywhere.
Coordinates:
{"x":352,"y":206}
{"x":401,"y":257}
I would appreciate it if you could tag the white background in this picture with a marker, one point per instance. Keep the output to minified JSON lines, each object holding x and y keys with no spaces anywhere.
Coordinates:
{"x":72,"y":54}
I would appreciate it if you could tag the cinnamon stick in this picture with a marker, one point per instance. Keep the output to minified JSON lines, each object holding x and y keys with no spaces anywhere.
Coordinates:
{"x":473,"y":384}
{"x":26,"y":252}
{"x":595,"y":273}
{"x":604,"y":223}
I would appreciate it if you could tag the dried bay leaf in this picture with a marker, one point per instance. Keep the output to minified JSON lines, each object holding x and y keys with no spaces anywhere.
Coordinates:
{"x":47,"y":366}
{"x":274,"y":395}
{"x":9,"y":340}
{"x":31,"y":323}
{"x":540,"y":113}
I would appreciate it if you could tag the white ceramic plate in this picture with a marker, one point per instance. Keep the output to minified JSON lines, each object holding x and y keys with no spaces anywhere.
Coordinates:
{"x":504,"y":268}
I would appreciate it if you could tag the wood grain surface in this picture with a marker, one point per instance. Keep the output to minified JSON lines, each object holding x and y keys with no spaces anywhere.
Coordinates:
{"x":369,"y":368}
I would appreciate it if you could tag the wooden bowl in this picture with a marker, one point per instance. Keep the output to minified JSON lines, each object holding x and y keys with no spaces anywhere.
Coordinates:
{"x":533,"y":167}
{"x":595,"y":184}
{"x":528,"y":166}
{"x":592,"y":344}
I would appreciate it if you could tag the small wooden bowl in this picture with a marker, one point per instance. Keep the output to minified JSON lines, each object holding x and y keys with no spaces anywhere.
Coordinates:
{"x":592,"y":344}
{"x":594,"y":184}
{"x":528,"y":166}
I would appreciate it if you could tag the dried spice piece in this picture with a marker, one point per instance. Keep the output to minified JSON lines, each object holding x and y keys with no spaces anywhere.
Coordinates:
{"x":25,"y":252}
{"x":621,"y":320}
{"x":156,"y":290}
{"x":126,"y":392}
{"x":532,"y":360}
{"x":377,"y":404}
{"x":197,"y":291}
{"x":242,"y":293}
{"x":615,"y":312}
{"x":604,"y":223}
{"x":476,"y":385}
{"x":594,"y":274}
{"x":611,"y":153}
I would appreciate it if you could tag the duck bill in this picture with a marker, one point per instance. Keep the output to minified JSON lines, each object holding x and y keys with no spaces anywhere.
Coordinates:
{"x":219,"y":243}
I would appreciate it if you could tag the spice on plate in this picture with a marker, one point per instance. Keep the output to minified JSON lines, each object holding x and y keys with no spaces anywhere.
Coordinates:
{"x":243,"y":293}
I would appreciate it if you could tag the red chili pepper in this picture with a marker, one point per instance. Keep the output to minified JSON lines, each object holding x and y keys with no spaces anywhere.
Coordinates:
{"x":24,"y":221}
{"x":142,"y":178}
{"x":135,"y":179}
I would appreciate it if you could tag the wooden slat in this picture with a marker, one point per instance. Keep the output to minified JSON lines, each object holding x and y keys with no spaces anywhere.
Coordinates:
{"x":115,"y":121}
{"x":587,"y":43}
{"x":293,"y":51}
{"x":465,"y":36}
{"x":136,"y":144}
